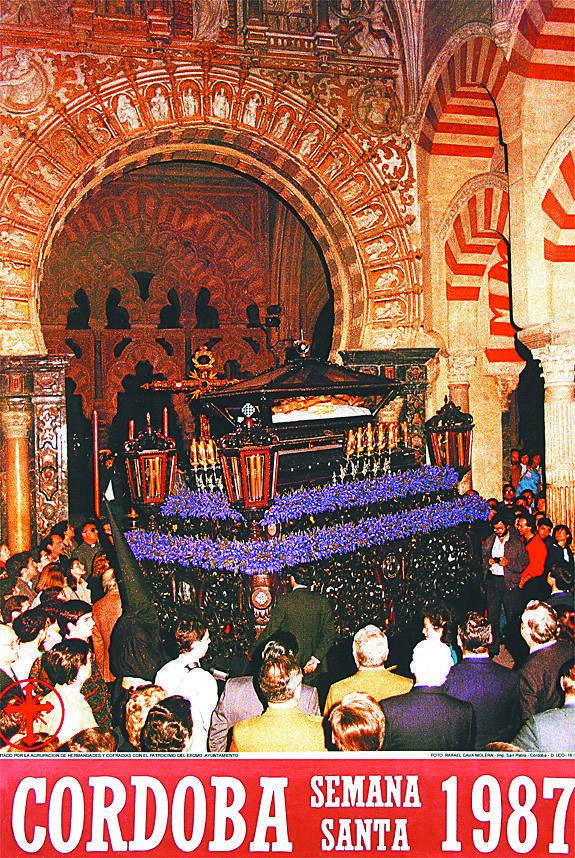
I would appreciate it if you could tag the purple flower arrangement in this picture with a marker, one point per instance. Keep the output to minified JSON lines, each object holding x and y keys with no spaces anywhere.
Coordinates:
{"x":342,"y":496}
{"x":303,"y":503}
{"x":208,"y":505}
{"x":274,"y":555}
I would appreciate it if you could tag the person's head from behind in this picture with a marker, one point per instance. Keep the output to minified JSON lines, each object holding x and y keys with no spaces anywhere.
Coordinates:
{"x":538,"y":624}
{"x":437,"y":622}
{"x":192,"y":636}
{"x":280,"y":679}
{"x":357,"y":723}
{"x":567,"y":680}
{"x":168,"y":727}
{"x":76,"y":620}
{"x":370,"y":647}
{"x":138,"y":705}
{"x":31,"y":625}
{"x":13,"y":606}
{"x":475,"y":633}
{"x":431,"y":662}
{"x":51,"y":576}
{"x":67,"y":663}
{"x":92,"y":740}
{"x":301,"y":575}
{"x":560,"y":578}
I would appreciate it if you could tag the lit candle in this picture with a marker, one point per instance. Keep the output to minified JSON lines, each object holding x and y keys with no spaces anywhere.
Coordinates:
{"x":369,"y":439}
{"x":211,"y":453}
{"x":404,"y":431}
{"x":380,"y":437}
{"x":165,"y":425}
{"x":202,"y":454}
{"x":359,"y":440}
{"x":131,"y":430}
{"x":194,"y":453}
{"x":350,"y":444}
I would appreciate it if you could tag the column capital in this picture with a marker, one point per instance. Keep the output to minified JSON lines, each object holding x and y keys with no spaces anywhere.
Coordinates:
{"x":15,"y":424}
{"x":506,"y":380}
{"x":558,"y":364}
{"x":458,"y":365}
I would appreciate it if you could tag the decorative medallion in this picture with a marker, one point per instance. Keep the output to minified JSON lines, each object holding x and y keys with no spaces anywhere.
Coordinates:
{"x":24,"y":83}
{"x":377,"y":109}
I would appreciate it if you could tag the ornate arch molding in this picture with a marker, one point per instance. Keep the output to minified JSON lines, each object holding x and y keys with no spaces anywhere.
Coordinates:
{"x":351,"y":186}
{"x":302,"y":192}
{"x":471,"y":188}
{"x":449,"y":50}
{"x":474,"y":237}
{"x":552,"y":161}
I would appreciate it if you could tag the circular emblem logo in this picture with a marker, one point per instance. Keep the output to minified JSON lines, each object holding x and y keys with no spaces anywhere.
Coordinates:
{"x":27,"y":701}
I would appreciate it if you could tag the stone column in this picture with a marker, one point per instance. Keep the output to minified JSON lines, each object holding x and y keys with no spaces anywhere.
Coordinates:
{"x":458,"y":365}
{"x":506,"y":385}
{"x":33,"y":385}
{"x":558,"y":365}
{"x":15,"y":430}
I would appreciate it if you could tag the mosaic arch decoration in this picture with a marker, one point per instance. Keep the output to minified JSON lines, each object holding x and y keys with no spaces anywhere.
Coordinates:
{"x":476,"y":246}
{"x":334,"y":155}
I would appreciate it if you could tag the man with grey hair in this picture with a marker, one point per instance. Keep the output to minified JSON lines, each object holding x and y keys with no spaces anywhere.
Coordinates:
{"x":539,"y":676}
{"x":370,"y":652}
{"x":427,"y":719}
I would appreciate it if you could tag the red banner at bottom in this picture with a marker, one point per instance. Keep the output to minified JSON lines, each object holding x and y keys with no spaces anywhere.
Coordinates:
{"x":421,"y":806}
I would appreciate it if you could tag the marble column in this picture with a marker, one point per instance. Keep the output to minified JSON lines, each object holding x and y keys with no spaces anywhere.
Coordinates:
{"x":558,"y":365}
{"x":458,"y":366}
{"x":15,"y":430}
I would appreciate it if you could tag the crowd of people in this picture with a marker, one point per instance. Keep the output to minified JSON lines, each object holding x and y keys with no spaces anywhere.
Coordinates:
{"x":77,"y":616}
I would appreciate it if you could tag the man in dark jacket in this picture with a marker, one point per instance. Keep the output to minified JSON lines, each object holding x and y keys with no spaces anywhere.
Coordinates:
{"x":492,"y":690}
{"x":504,"y":559}
{"x":309,"y":617}
{"x":539,"y":677}
{"x":427,"y":719}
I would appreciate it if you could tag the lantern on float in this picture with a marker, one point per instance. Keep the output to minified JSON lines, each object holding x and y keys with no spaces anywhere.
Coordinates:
{"x":249,"y":458}
{"x":151,"y":465}
{"x":449,"y":436}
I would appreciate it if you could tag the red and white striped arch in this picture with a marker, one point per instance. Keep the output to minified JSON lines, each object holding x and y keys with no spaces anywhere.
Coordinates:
{"x":558,"y":206}
{"x":477,"y":248}
{"x":461,"y":117}
{"x":544,"y":46}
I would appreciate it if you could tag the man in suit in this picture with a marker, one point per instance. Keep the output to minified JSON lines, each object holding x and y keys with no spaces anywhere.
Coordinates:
{"x":553,"y":731}
{"x":283,"y":727}
{"x":242,"y":697}
{"x":370,"y":652}
{"x":539,"y":676}
{"x":427,"y":719}
{"x":492,"y":690}
{"x":504,"y":559}
{"x":309,"y":617}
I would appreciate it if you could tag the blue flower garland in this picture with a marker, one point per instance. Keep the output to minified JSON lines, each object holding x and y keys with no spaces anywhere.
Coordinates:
{"x":303,"y":503}
{"x":274,"y":555}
